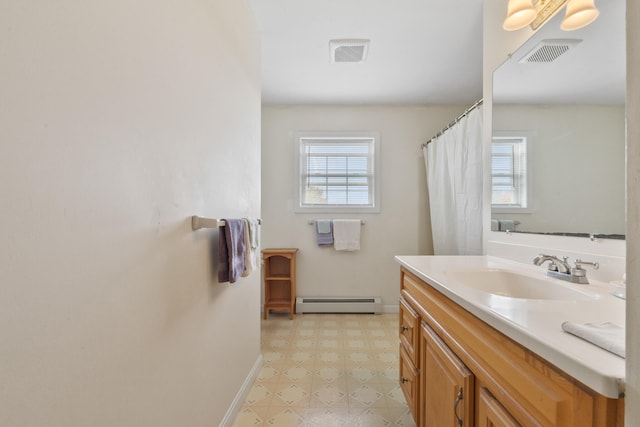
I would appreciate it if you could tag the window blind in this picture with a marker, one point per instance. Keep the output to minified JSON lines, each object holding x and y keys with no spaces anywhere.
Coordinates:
{"x":337,"y":172}
{"x":509,"y":172}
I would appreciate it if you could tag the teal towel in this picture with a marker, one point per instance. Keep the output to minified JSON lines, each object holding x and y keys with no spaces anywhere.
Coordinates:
{"x":323,"y":226}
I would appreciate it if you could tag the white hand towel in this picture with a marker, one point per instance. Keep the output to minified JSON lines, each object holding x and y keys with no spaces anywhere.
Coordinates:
{"x":346,"y":234}
{"x":605,"y":335}
{"x":251,"y":239}
{"x":254,"y":232}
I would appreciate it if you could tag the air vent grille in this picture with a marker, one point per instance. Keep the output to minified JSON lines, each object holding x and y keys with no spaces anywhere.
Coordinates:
{"x":348,"y":53}
{"x":349,"y":50}
{"x":549,"y":50}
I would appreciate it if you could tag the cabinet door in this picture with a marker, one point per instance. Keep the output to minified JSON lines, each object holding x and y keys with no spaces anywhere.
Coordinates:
{"x":491,"y":413}
{"x":448,"y":385}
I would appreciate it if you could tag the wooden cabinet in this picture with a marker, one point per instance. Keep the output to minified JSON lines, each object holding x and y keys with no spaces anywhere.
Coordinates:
{"x":447,"y":384}
{"x":409,"y":347}
{"x":409,"y":382}
{"x":279,"y":272}
{"x":491,"y":413}
{"x":470,"y":374}
{"x":409,"y":330}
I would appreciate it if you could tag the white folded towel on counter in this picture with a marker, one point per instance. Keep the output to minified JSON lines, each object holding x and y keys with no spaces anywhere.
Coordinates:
{"x":607,"y":335}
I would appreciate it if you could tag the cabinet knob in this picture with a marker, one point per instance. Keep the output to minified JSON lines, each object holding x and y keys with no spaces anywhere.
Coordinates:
{"x":404,"y":380}
{"x":403,"y":328}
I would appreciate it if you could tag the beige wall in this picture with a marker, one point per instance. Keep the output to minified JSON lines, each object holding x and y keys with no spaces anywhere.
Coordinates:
{"x":119,"y":120}
{"x":401,"y":227}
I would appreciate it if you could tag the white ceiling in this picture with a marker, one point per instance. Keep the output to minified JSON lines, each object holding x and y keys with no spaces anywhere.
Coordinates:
{"x":421,"y":51}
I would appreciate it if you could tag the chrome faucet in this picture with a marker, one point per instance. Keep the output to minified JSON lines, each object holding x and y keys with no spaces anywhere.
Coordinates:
{"x":555,"y":264}
{"x":560,"y":269}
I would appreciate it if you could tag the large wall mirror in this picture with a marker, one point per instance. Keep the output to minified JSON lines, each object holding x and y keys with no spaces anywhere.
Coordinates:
{"x":558,"y":157}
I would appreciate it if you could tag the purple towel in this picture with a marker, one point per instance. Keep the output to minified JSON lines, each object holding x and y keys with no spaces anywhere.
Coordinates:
{"x":324,"y":232}
{"x":231,"y":251}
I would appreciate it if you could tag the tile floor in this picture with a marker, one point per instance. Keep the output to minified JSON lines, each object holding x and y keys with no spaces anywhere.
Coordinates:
{"x":327,"y":370}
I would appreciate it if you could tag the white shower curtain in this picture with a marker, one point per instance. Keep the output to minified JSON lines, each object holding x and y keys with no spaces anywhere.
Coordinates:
{"x":454,"y":179}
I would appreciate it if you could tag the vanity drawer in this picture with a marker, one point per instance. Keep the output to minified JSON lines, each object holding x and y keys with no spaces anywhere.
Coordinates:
{"x":409,"y":330}
{"x":409,"y":382}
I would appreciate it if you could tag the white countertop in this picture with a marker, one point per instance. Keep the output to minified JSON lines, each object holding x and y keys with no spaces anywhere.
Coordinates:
{"x":536,"y":324}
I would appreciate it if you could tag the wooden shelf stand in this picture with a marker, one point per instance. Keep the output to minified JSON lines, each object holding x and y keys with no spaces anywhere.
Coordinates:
{"x":279,"y":272}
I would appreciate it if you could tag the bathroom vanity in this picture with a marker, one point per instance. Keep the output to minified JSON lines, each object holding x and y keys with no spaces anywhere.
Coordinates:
{"x":478,"y":356}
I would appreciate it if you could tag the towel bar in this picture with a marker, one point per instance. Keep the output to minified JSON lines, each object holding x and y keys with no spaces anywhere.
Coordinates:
{"x":313,"y":221}
{"x":198,"y":222}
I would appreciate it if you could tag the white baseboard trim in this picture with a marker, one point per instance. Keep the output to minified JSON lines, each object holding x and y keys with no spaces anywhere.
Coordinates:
{"x":233,"y":410}
{"x":391,"y":308}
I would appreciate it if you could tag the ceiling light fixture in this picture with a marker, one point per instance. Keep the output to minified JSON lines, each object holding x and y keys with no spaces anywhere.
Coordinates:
{"x":521,"y":13}
{"x":580,"y":13}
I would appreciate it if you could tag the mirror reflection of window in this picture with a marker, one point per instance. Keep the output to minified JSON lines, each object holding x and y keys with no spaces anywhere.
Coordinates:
{"x":509,"y":172}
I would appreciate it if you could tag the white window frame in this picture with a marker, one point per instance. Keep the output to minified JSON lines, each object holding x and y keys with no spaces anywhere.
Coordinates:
{"x":302,"y":139}
{"x":521,"y":143}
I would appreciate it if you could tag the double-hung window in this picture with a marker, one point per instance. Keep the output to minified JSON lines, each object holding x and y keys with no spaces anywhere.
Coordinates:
{"x":337,"y":172}
{"x":509,"y":172}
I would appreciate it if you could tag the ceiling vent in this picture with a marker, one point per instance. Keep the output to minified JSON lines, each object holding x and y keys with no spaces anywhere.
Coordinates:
{"x":349,"y":50}
{"x":549,"y":50}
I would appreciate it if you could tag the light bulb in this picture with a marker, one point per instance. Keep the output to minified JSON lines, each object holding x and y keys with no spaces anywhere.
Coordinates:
{"x":580,"y":13}
{"x":520,"y":13}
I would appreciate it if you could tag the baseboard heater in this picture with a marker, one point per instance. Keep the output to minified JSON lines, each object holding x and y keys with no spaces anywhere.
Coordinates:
{"x":339,"y":305}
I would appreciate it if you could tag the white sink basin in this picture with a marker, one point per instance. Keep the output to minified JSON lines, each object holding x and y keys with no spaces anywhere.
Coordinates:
{"x":513,"y":285}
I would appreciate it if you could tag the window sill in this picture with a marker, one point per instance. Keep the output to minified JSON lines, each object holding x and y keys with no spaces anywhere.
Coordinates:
{"x":333,"y":209}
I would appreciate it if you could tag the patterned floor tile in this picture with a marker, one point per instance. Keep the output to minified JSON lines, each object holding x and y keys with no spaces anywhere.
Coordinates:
{"x":297,"y":395}
{"x":330,"y":357}
{"x":389,"y":374}
{"x":268,"y":374}
{"x":286,"y":417}
{"x":362,"y":374}
{"x":327,"y":370}
{"x":359,"y":357}
{"x":327,"y":417}
{"x":396,"y":397}
{"x":371,"y":417}
{"x":302,"y":356}
{"x":260,"y":394}
{"x":366,"y":395}
{"x":297,"y":374}
{"x":400,"y":416}
{"x":305,"y":333}
{"x":356,"y":344}
{"x":247,"y":417}
{"x":329,"y":373}
{"x":329,"y":344}
{"x":304,"y":344}
{"x":329,"y":395}
{"x":269,"y":357}
{"x":388,"y":357}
